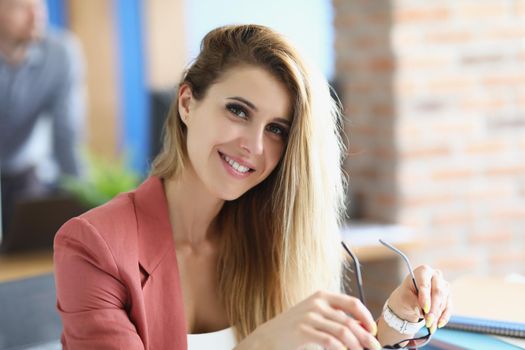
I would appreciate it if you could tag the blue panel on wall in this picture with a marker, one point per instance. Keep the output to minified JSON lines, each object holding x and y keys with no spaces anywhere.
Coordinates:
{"x":57,"y":13}
{"x":134,"y":103}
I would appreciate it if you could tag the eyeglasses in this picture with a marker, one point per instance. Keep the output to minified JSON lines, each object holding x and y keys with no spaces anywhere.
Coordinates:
{"x":411,"y":343}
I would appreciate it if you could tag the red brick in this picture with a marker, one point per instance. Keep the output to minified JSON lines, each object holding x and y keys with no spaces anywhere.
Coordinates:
{"x":363,"y":130}
{"x":382,"y":64}
{"x":440,"y":240}
{"x":475,"y":59}
{"x":490,"y":238}
{"x":507,"y":258}
{"x":386,"y":200}
{"x":427,"y":200}
{"x":505,"y":33}
{"x":453,"y":128}
{"x":466,"y":263}
{"x":345,"y":21}
{"x":365,"y":43}
{"x":384,"y":153}
{"x":404,"y":88}
{"x":482,"y":104}
{"x":517,"y":213}
{"x":452,"y":175}
{"x":449,"y":37}
{"x":489,"y":194}
{"x":518,"y":9}
{"x":423,"y":15}
{"x":360,"y":88}
{"x":367,"y":173}
{"x":383,"y":110}
{"x":509,"y":79}
{"x":460,"y":219}
{"x":506,"y":170}
{"x":485,"y":147}
{"x":479,"y":10}
{"x":421,"y":63}
{"x":451,"y":85}
{"x":428,"y":152}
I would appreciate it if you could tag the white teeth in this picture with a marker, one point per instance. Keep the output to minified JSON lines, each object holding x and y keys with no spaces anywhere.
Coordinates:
{"x":235,"y":165}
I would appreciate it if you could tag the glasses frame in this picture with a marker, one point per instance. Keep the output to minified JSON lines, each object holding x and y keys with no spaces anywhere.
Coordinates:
{"x":357,"y":270}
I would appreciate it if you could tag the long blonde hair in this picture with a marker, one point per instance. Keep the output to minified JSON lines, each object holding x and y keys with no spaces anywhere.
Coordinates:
{"x":280,"y":240}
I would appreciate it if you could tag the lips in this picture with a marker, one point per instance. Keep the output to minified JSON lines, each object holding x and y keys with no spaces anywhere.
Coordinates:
{"x":236,"y":166}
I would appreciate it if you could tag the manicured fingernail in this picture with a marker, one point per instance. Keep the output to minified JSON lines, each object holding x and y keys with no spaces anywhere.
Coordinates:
{"x":429,"y":321}
{"x":433,"y":329}
{"x":442,"y":323}
{"x":374,"y":329}
{"x":376,"y":345}
{"x":426,"y":308}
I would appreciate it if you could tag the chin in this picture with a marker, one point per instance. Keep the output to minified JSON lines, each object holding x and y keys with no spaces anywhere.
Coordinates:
{"x":231,"y":197}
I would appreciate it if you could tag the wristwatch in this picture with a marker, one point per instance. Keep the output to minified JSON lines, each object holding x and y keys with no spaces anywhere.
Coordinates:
{"x":400,"y":325}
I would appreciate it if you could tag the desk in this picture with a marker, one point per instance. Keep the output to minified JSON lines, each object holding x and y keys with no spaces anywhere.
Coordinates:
{"x":489,"y":297}
{"x":495,"y":298}
{"x":23,"y":265}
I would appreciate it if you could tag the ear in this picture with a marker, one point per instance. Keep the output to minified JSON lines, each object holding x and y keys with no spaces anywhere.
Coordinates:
{"x":185,"y":102}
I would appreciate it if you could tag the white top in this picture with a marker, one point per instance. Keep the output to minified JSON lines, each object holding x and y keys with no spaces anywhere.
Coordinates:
{"x":220,"y":340}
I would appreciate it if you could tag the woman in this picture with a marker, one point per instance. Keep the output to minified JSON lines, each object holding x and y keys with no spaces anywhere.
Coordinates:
{"x":238,"y":224}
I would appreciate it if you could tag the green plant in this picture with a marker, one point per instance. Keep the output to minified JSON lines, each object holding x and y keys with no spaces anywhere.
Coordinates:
{"x":105,"y":179}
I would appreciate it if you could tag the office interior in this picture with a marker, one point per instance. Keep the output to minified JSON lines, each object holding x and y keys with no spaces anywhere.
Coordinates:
{"x":433,"y":96}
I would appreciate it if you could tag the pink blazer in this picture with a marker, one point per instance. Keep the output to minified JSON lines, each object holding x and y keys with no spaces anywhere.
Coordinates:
{"x":117,"y":278}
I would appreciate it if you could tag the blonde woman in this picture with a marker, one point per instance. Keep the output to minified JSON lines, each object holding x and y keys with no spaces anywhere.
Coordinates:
{"x":234,"y":238}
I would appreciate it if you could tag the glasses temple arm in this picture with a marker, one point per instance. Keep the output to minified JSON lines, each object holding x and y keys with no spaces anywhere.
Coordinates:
{"x":405,"y":258}
{"x":358,"y":273}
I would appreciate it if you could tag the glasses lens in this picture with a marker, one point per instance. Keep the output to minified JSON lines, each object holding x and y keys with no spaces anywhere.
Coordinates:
{"x":418,"y":342}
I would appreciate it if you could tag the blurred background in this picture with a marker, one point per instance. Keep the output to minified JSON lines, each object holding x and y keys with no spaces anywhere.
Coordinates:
{"x":433,"y":94}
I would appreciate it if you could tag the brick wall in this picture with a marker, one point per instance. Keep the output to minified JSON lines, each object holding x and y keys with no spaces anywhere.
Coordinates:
{"x":434,"y":92}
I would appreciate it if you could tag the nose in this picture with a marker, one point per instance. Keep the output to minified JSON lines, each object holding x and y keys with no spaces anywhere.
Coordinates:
{"x":253,"y":142}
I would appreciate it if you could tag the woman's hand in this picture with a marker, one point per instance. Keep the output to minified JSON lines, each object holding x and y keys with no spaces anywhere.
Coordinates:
{"x":333,"y":321}
{"x":434,"y":298}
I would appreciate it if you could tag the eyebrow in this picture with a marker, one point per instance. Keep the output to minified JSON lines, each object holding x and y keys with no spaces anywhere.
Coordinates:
{"x":252,"y":106}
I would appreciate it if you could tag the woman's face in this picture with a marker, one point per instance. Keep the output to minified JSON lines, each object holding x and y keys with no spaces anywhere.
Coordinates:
{"x":237,"y":133}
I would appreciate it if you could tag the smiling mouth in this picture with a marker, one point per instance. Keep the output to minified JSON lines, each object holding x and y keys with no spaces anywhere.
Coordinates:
{"x":235,"y":165}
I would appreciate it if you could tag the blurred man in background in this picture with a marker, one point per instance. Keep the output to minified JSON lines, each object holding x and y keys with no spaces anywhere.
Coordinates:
{"x":41,"y":103}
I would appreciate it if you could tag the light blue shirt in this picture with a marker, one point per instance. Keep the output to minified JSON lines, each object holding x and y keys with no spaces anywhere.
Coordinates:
{"x":47,"y":87}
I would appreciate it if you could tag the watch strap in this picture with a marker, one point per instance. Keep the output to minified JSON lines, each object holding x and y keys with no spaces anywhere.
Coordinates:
{"x":400,"y":325}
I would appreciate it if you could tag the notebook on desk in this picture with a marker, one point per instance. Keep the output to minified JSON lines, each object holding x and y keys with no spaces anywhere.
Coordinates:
{"x":483,"y":308}
{"x":449,"y":339}
{"x":487,"y":326}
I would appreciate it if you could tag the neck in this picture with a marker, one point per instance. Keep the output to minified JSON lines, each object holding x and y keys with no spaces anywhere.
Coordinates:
{"x":192,"y":209}
{"x":13,"y":53}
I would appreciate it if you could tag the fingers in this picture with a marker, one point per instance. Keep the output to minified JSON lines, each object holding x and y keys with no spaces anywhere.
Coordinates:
{"x":364,"y":338}
{"x":341,"y":332}
{"x":433,"y":295}
{"x":423,"y":275}
{"x":445,"y":315}
{"x":355,"y":308}
{"x":439,"y":297}
{"x":328,"y":314}
{"x":323,"y":339}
